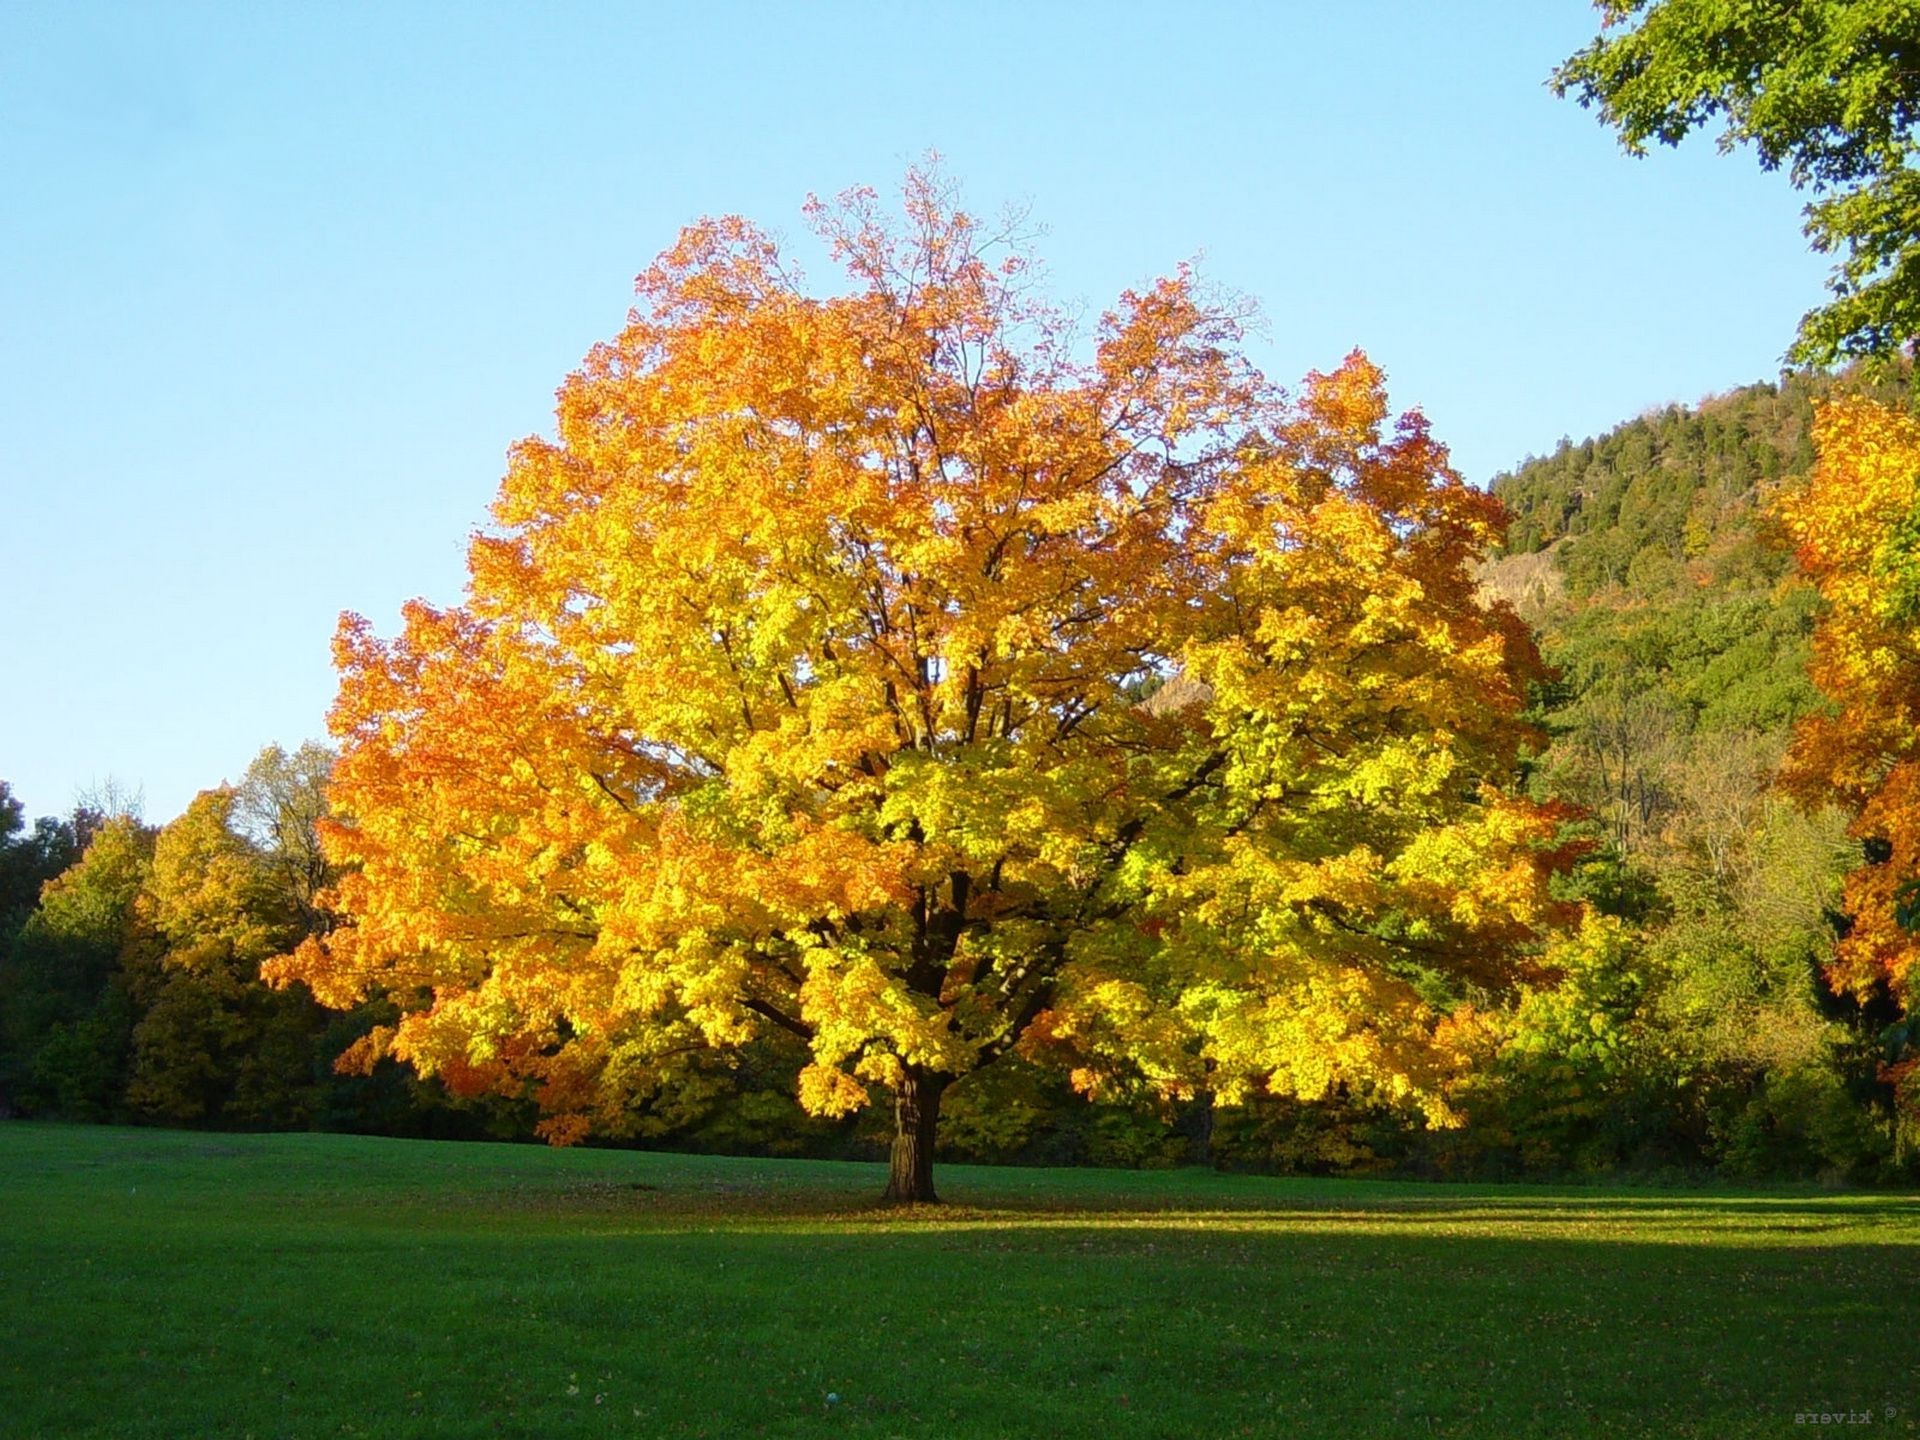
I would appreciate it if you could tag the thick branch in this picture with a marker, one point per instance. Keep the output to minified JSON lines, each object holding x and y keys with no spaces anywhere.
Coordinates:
{"x":779,"y":1017}
{"x":1044,"y":970}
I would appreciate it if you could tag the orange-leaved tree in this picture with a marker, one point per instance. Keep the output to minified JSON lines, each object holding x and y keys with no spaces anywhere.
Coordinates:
{"x":808,"y":680}
{"x":1856,"y":528}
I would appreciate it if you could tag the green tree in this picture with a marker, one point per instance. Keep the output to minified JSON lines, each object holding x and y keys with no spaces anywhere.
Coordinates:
{"x":65,"y":1016}
{"x":31,"y":857}
{"x":279,"y":805}
{"x":1827,"y":89}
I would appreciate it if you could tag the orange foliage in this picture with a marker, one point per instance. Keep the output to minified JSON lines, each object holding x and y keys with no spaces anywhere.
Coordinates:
{"x":798,"y":685}
{"x":1857,"y":529}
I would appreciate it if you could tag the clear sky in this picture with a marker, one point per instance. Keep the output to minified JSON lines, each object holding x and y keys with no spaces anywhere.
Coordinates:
{"x":280,"y":283}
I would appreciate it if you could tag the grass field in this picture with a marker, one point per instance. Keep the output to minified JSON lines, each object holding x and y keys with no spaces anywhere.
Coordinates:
{"x":163,"y":1284}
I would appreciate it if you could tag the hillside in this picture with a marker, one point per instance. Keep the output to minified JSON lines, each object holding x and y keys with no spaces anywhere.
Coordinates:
{"x":1672,"y":499}
{"x":1677,"y":629}
{"x":1644,"y":555}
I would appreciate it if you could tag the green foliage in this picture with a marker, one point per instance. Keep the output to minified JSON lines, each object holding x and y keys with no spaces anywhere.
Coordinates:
{"x":1003,"y":1112}
{"x":77,"y":1068}
{"x":1802,"y":1121}
{"x":1120,"y":1138}
{"x":1679,"y":485}
{"x":1681,"y":641}
{"x":90,"y":905}
{"x":31,"y":857}
{"x":1828,"y":89}
{"x":1343,"y":1134}
{"x":1578,"y":1081}
{"x":65,"y":1019}
{"x":133,"y":989}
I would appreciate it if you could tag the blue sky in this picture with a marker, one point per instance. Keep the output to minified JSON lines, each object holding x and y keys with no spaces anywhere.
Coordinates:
{"x":279,"y":284}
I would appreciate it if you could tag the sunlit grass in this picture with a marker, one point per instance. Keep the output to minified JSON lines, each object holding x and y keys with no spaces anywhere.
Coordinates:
{"x":164,"y":1284}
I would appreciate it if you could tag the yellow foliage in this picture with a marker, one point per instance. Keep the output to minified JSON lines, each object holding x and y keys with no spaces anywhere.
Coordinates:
{"x":825,"y":1090}
{"x":1856,"y":525}
{"x":798,"y":685}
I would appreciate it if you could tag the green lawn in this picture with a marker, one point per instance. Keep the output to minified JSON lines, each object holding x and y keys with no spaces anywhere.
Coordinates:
{"x":162,"y":1284}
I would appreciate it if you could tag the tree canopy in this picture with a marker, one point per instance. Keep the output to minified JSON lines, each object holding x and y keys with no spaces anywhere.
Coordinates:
{"x":800,"y":685}
{"x":1827,"y":89}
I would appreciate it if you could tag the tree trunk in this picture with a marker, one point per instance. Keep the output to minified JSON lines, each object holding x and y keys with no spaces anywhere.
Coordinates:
{"x":916,"y":1117}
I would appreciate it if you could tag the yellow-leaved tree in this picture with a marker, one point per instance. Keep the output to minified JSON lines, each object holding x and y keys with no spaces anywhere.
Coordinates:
{"x":902,"y":671}
{"x":1856,"y":526}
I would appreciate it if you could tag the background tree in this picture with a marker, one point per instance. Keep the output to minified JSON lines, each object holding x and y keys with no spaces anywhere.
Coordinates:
{"x":213,"y":1044}
{"x":65,"y":1014}
{"x":1830,"y":89}
{"x":278,"y":806}
{"x":29,"y":857}
{"x":796,"y":690}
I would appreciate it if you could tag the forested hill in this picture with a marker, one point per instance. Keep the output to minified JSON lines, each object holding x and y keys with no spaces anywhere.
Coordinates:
{"x":1672,"y":500}
{"x":1644,"y":558}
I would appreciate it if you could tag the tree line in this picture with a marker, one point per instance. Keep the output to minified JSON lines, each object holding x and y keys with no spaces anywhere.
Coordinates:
{"x":130,"y":955}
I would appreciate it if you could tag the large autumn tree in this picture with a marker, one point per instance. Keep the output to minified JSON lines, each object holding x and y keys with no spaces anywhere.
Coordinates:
{"x":808,"y":680}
